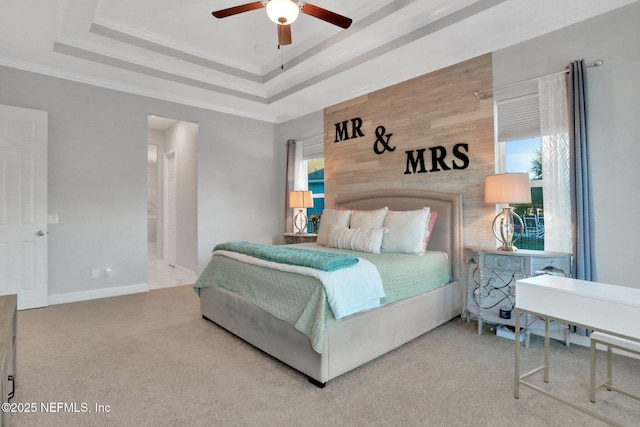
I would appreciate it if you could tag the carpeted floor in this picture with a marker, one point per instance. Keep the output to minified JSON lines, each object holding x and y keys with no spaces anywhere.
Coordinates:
{"x":151,"y":360}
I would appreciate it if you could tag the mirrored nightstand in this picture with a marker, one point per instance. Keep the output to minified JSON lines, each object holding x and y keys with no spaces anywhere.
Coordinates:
{"x":290,"y":238}
{"x":491,"y":279}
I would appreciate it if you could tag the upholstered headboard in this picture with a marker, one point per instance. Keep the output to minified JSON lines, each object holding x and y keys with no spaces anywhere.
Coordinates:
{"x":447,"y":233}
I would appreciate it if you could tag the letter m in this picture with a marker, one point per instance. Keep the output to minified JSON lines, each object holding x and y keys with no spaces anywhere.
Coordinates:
{"x":341,"y":131}
{"x":414,"y":162}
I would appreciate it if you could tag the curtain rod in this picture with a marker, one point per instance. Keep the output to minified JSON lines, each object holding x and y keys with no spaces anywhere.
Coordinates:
{"x":313,"y":136}
{"x":307,"y":137}
{"x":484,"y":93}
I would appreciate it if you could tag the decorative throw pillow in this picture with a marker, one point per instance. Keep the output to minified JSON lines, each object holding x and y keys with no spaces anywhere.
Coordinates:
{"x":433,"y":215}
{"x":368,"y":219}
{"x":339,"y":218}
{"x":356,"y":239}
{"x":407,"y":231}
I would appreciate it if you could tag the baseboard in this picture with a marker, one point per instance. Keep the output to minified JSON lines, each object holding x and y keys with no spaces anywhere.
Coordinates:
{"x":97,"y":293}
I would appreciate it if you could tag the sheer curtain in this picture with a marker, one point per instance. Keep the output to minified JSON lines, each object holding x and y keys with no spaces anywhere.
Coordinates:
{"x":556,"y":173}
{"x":501,"y":156}
{"x":300,"y":180}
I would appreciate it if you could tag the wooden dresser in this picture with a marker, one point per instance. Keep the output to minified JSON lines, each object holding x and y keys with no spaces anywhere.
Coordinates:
{"x":8,"y":329}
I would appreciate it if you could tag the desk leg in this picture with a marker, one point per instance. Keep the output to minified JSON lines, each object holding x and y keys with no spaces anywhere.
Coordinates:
{"x":546,"y":350}
{"x":516,"y":384}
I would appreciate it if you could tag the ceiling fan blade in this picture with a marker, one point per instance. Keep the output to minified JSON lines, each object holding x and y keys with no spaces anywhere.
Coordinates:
{"x":284,"y":34}
{"x":223,"y":13}
{"x":326,"y":15}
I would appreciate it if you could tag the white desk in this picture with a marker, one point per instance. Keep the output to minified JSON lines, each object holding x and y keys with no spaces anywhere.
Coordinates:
{"x":597,"y":306}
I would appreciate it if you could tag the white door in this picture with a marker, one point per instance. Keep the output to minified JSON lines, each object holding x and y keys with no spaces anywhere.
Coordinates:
{"x":23,"y":205}
{"x":170,"y":229}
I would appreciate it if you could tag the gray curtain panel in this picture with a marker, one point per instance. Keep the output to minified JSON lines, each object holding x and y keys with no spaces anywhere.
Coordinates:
{"x":581,"y":200}
{"x":581,"y":189}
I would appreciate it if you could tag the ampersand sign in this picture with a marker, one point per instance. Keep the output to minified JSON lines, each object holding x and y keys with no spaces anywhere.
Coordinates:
{"x":381,"y":145}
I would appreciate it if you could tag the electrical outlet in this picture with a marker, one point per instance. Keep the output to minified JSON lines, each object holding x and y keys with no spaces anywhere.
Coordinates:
{"x":95,"y":273}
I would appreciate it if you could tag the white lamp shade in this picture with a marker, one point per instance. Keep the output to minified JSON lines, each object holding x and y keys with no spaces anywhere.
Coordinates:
{"x":282,"y":11}
{"x":300,"y":199}
{"x":507,"y":188}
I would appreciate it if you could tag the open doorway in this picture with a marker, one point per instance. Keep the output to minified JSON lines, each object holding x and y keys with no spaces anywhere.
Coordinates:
{"x":172,"y":202}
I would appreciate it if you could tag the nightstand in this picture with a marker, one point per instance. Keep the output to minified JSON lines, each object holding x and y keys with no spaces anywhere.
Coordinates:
{"x":491,"y":280}
{"x":290,"y":238}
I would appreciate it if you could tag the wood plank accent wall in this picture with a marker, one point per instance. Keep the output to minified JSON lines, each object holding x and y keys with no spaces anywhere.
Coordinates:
{"x":436,"y":109}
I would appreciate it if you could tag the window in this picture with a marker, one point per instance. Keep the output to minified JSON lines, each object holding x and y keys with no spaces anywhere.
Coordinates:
{"x":524,"y":155}
{"x":310,"y":175}
{"x":519,"y":150}
{"x":316,"y":185}
{"x":538,"y":108}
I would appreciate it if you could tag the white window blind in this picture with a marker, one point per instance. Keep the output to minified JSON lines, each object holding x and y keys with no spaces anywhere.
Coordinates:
{"x":313,"y":147}
{"x":518,"y":117}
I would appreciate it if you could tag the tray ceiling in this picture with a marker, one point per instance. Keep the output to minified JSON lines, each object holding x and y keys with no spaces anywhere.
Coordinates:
{"x":176,"y":51}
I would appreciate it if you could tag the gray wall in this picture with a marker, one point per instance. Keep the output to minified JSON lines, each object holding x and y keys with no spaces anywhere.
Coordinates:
{"x":303,"y":127}
{"x":243,"y":164}
{"x":97,"y":180}
{"x":614,"y":102}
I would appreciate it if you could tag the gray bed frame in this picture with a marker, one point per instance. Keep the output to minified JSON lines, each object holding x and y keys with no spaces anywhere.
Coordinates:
{"x":362,"y":337}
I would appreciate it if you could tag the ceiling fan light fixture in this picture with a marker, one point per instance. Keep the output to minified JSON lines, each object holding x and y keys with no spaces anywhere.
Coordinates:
{"x":282,"y":11}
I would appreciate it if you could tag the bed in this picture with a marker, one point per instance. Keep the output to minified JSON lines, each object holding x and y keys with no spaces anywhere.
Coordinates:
{"x":358,"y":338}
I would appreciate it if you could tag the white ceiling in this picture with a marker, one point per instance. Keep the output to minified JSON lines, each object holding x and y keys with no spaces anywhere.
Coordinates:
{"x":176,"y":51}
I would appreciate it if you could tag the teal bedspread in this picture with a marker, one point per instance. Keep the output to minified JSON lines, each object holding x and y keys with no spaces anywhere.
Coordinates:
{"x":301,"y":300}
{"x":320,"y":260}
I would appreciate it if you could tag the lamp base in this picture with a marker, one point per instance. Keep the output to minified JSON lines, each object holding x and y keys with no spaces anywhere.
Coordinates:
{"x":504,"y":228}
{"x":300,"y":222}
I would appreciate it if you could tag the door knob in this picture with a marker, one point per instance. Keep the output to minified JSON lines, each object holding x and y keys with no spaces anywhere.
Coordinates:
{"x":40,"y":233}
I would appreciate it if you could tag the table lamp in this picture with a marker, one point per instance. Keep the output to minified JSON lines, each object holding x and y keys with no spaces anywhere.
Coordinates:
{"x":300,"y":200}
{"x":507,"y":188}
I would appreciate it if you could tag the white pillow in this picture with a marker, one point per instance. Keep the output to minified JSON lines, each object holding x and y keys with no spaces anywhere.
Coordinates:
{"x":407,"y":231}
{"x":368,"y":219}
{"x":339,"y":218}
{"x":356,"y":239}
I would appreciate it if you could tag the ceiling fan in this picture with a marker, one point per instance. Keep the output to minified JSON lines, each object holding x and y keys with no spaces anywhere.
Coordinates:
{"x":284,"y":12}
